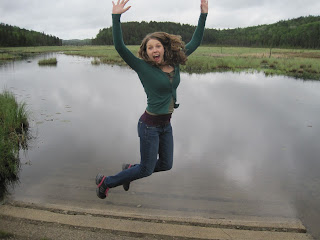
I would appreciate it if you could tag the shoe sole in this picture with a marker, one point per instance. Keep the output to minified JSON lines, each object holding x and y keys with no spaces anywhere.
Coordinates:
{"x":99,"y":178}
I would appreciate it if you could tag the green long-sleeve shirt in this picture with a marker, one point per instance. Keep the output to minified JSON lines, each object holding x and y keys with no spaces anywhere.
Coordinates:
{"x":159,"y":90}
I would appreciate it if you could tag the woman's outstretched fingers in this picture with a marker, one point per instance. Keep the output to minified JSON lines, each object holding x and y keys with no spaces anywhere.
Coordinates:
{"x":119,"y":8}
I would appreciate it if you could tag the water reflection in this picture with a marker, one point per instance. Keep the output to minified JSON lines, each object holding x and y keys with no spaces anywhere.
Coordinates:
{"x":244,"y":144}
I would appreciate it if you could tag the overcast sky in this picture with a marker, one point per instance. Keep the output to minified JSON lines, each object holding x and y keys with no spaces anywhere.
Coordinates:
{"x":80,"y":19}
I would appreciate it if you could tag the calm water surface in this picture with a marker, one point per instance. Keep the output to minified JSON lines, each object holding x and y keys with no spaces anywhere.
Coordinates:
{"x":245,"y":144}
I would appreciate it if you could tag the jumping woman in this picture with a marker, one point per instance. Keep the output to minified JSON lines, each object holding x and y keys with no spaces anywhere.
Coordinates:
{"x":160,"y":55}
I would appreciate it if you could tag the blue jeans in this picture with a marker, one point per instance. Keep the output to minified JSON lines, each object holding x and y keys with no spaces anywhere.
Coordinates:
{"x":156,"y":151}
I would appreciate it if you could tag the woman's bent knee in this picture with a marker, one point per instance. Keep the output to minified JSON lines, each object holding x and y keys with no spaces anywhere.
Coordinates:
{"x":163,"y":168}
{"x":145,"y":172}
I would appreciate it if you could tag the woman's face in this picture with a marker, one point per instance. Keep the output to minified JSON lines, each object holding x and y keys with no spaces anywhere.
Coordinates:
{"x":155,"y":51}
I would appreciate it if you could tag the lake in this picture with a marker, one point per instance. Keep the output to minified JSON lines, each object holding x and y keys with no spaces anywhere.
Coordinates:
{"x":245,"y":144}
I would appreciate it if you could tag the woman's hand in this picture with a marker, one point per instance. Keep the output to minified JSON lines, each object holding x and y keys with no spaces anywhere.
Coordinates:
{"x":204,"y":6}
{"x":119,"y":8}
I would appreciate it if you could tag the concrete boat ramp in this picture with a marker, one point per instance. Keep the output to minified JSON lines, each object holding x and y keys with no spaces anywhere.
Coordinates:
{"x":49,"y":221}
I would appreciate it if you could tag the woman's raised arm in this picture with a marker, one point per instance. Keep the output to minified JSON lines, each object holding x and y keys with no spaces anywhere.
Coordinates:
{"x":121,"y":48}
{"x":198,"y":34}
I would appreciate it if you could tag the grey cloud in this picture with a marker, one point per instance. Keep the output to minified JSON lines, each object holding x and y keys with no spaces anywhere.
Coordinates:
{"x":83,"y":18}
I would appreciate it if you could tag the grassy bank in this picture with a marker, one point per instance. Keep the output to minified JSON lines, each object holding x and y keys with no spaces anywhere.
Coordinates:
{"x":299,"y":63}
{"x":13,"y":137}
{"x":289,"y":62}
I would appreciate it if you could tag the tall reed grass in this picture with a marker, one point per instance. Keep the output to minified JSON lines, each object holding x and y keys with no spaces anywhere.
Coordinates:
{"x":14,"y":135}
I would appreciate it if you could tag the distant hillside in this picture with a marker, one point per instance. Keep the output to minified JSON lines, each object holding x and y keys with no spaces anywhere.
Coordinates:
{"x":77,"y":42}
{"x":12,"y":36}
{"x":302,"y":32}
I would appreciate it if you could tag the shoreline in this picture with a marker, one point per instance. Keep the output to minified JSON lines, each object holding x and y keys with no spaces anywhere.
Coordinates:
{"x":297,"y":63}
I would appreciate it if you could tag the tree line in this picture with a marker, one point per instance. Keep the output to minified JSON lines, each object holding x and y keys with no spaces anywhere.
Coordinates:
{"x":76,"y":42}
{"x":302,"y":32}
{"x":12,"y":36}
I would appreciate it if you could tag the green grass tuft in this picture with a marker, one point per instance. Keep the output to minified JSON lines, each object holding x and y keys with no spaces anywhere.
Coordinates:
{"x":50,"y":61}
{"x":5,"y":235}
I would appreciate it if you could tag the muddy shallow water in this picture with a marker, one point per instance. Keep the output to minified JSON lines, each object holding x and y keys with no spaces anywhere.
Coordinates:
{"x":245,"y":144}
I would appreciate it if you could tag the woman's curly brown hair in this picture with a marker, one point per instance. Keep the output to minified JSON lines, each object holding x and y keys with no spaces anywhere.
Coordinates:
{"x":174,"y":48}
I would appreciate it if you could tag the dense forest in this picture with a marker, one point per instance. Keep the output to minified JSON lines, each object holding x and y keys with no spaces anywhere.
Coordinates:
{"x":302,"y":32}
{"x":12,"y":36}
